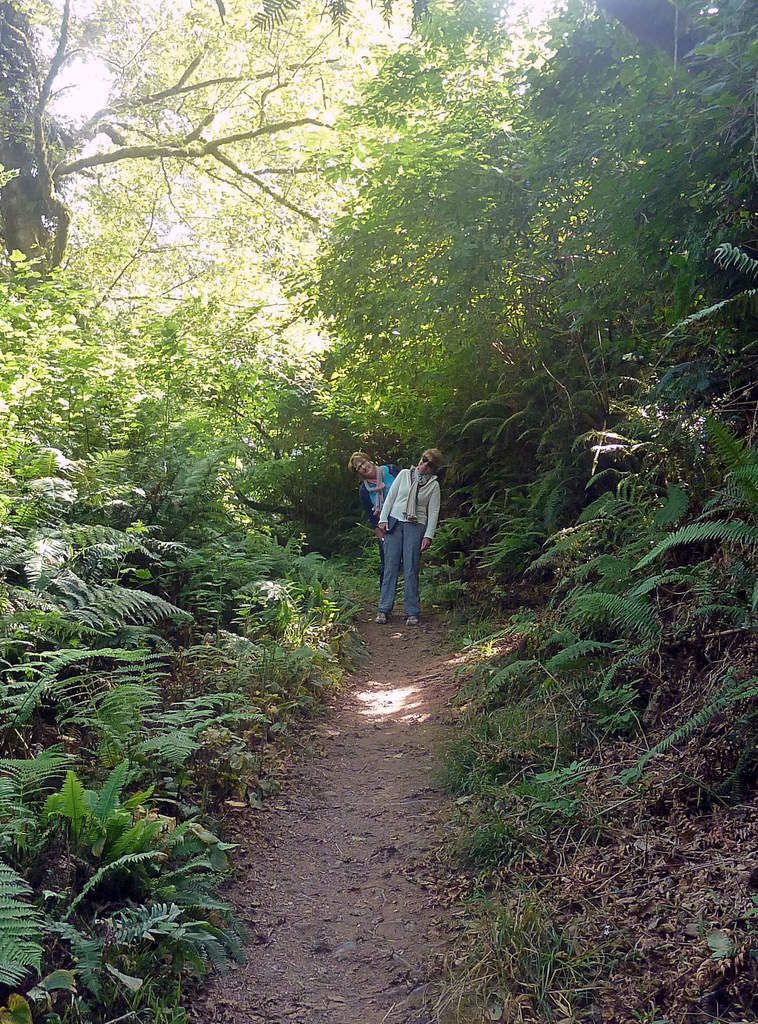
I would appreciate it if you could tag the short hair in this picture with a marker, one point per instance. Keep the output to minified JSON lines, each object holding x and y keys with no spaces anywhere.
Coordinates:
{"x":435,"y":457}
{"x":357,"y":457}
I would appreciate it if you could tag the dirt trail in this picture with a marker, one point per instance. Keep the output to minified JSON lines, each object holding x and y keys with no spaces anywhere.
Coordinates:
{"x":330,"y":885}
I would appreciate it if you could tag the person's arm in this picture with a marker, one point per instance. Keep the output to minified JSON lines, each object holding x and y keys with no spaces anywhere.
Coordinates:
{"x":368,"y":505}
{"x":389,"y":501}
{"x":432,"y":517}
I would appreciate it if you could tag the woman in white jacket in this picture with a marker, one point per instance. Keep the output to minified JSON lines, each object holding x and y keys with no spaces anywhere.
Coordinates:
{"x":407,"y":524}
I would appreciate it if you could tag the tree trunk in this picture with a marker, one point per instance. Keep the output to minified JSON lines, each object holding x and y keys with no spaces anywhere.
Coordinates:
{"x":33,"y":219}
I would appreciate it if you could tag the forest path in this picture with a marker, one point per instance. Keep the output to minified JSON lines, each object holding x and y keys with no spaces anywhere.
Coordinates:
{"x":342,"y":920}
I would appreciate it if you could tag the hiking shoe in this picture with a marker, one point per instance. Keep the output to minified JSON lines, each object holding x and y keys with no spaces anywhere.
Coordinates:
{"x":382,"y":618}
{"x":411,"y":620}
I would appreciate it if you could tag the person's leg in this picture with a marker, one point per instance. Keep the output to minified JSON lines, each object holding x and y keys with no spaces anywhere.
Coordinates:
{"x":381,"y":564}
{"x":412,"y":536}
{"x":393,"y":550}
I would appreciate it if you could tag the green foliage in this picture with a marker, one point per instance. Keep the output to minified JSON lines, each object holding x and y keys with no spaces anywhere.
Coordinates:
{"x":543,"y":261}
{"x":520,"y":962}
{"x":118,"y":569}
{"x":20,"y":929}
{"x":732,"y":692}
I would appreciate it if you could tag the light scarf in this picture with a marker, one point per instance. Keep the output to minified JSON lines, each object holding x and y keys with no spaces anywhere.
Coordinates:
{"x":377,"y":489}
{"x":419,"y":481}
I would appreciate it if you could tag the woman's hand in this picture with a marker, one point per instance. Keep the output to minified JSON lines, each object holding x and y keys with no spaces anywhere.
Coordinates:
{"x":381,"y":531}
{"x":426,"y":543}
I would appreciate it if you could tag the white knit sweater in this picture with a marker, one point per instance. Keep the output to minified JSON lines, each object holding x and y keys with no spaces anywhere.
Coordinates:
{"x":428,"y":503}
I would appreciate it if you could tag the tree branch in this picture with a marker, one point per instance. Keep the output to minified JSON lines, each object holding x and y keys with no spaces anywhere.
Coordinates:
{"x":268,"y":129}
{"x":180,"y":149}
{"x":60,"y":56}
{"x":277,"y":196}
{"x":132,"y":259}
{"x":262,"y":506}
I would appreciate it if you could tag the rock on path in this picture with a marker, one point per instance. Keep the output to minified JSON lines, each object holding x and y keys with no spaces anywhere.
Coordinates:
{"x":341,"y":929}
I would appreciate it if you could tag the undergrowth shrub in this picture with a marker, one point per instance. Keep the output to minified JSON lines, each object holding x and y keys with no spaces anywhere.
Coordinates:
{"x":596,"y":713}
{"x":142,"y":686}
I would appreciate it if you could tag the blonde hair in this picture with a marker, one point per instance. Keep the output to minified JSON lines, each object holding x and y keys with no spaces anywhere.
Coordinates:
{"x":435,"y":457}
{"x":357,"y":457}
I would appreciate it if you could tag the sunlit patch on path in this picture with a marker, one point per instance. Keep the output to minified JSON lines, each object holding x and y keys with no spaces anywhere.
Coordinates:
{"x":342,"y":929}
{"x":380,"y":702}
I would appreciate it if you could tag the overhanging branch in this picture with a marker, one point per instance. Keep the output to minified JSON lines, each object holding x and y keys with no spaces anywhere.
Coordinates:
{"x":183,"y":148}
{"x":259,"y":183}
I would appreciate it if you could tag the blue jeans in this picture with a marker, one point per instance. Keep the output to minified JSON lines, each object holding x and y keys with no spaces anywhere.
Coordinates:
{"x":402,"y":545}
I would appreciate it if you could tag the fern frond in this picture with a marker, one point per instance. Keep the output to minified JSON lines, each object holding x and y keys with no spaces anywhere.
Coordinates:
{"x":139,"y":838}
{"x":662,"y":579}
{"x":742,"y":484}
{"x":275,"y":12}
{"x":736,"y":532}
{"x":109,"y":606}
{"x":731,"y":693}
{"x":173,"y":749}
{"x":113,"y":866}
{"x":576,"y":653}
{"x":733,"y":452}
{"x":742,"y":304}
{"x":628,"y":614}
{"x":730,"y":257}
{"x":20,"y":929}
{"x":503,"y":680}
{"x":32,"y":776}
{"x":87,"y":952}
{"x":136,"y":924}
{"x":107,"y":800}
{"x":70,"y":802}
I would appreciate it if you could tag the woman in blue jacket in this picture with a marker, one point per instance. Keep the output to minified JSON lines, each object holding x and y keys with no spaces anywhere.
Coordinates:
{"x":375,"y":486}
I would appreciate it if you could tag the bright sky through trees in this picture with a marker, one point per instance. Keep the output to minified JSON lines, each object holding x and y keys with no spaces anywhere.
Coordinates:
{"x":84,"y":84}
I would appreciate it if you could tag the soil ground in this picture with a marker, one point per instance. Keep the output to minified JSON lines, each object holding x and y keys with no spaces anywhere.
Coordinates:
{"x":331,"y":886}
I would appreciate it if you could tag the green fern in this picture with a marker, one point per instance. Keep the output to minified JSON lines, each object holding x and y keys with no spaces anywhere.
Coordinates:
{"x":172,"y":749}
{"x":688,"y":577}
{"x":275,"y":12}
{"x":577,"y":653}
{"x":147,"y":922}
{"x":509,"y":679}
{"x":205,"y":944}
{"x":87,"y":952}
{"x":105,"y":802}
{"x":20,"y":929}
{"x":742,"y":484}
{"x":738,"y":459}
{"x":730,"y":694}
{"x":733,"y":452}
{"x":730,"y":257}
{"x":18,"y":822}
{"x":32,"y":776}
{"x":735,"y":532}
{"x":743,"y":304}
{"x":114,"y":866}
{"x":69,"y":803}
{"x":630,"y":615}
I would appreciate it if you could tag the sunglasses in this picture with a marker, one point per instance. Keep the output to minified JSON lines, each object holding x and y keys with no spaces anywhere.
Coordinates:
{"x":425,"y":462}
